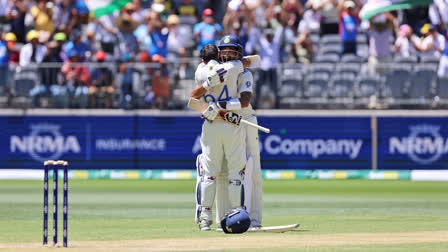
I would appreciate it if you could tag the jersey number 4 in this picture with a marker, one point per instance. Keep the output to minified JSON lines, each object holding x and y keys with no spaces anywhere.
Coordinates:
{"x":223,"y":96}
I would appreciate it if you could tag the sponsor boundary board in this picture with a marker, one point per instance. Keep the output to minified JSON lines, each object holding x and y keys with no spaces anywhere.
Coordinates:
{"x":171,"y":141}
{"x":413,"y":143}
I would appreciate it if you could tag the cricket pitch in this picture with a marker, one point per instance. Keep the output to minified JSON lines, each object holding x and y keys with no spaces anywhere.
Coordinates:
{"x":248,"y":241}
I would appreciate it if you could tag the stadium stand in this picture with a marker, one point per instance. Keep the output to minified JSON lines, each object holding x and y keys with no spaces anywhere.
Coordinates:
{"x":311,"y":69}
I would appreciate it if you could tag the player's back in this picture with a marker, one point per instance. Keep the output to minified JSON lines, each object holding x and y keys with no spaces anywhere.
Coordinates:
{"x":203,"y":70}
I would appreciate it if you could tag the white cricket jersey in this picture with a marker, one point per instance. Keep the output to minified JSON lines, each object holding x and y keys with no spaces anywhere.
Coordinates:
{"x":203,"y":70}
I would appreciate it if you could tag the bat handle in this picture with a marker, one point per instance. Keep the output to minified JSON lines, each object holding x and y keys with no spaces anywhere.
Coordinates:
{"x":255,"y":126}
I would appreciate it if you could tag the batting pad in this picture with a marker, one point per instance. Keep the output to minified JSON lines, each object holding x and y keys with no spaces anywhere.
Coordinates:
{"x":248,"y":181}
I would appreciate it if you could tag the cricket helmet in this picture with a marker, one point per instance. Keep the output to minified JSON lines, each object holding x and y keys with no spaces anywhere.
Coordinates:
{"x":236,"y":222}
{"x":230,"y":54}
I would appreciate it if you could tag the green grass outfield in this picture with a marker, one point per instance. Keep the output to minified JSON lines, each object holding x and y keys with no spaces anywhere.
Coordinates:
{"x":124,"y":210}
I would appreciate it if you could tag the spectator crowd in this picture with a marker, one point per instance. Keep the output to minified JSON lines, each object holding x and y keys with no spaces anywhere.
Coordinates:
{"x":58,"y":51}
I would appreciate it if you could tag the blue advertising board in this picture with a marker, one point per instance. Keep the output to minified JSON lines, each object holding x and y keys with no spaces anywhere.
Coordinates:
{"x":316,"y":143}
{"x":100,"y":142}
{"x":172,"y":142}
{"x":412,"y":143}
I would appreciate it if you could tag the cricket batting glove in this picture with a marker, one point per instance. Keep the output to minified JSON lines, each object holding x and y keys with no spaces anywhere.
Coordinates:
{"x":215,"y":79}
{"x":231,"y":117}
{"x":211,"y":111}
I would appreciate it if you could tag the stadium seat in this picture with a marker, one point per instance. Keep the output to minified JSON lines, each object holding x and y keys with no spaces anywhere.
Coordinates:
{"x":351,"y":58}
{"x":351,"y":68}
{"x":316,"y":88}
{"x":408,"y":59}
{"x":24,"y":81}
{"x":330,"y":49}
{"x":430,"y":59}
{"x":367,"y":87}
{"x":330,"y":39}
{"x":396,"y":84}
{"x":322,"y":68}
{"x":422,"y":85}
{"x":291,"y":88}
{"x":290,"y":93}
{"x":326,"y":58}
{"x":295,"y":66}
{"x":22,"y":87}
{"x":291,"y":70}
{"x":442,"y":92}
{"x":428,"y":70}
{"x":342,"y":88}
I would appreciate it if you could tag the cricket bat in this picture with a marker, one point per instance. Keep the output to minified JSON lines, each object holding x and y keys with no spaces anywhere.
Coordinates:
{"x":255,"y":61}
{"x":274,"y":229}
{"x":200,"y":106}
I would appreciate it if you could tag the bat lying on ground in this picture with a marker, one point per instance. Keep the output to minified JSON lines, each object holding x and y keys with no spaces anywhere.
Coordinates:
{"x":230,"y":117}
{"x":274,"y":229}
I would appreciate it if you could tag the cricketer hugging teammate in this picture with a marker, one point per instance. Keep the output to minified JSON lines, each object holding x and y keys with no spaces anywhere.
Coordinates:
{"x":229,"y":166}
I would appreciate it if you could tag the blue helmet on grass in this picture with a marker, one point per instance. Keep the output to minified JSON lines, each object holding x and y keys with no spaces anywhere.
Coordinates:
{"x":230,"y":48}
{"x":236,"y":222}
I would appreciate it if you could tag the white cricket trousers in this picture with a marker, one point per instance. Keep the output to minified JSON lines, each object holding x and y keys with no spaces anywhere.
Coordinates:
{"x":221,"y":142}
{"x":254,"y":201}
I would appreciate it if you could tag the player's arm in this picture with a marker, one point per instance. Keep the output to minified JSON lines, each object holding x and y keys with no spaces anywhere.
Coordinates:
{"x":198,"y":92}
{"x":245,"y":99}
{"x":245,"y":84}
{"x":236,"y":103}
{"x":246,"y":62}
{"x":232,"y":104}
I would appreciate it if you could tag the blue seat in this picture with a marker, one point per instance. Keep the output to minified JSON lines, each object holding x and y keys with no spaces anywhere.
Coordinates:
{"x":352,"y":58}
{"x":351,"y":68}
{"x":322,"y":68}
{"x":412,"y":59}
{"x":342,"y":88}
{"x":326,"y":58}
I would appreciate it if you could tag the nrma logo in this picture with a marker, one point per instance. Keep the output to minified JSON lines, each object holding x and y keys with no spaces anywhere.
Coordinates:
{"x":44,"y":142}
{"x":424,"y":145}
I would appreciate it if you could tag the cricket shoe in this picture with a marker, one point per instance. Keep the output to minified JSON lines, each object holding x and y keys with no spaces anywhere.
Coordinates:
{"x":219,"y":229}
{"x":204,"y":225}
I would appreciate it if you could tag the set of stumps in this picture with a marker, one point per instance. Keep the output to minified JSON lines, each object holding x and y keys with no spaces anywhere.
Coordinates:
{"x":55,"y":166}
